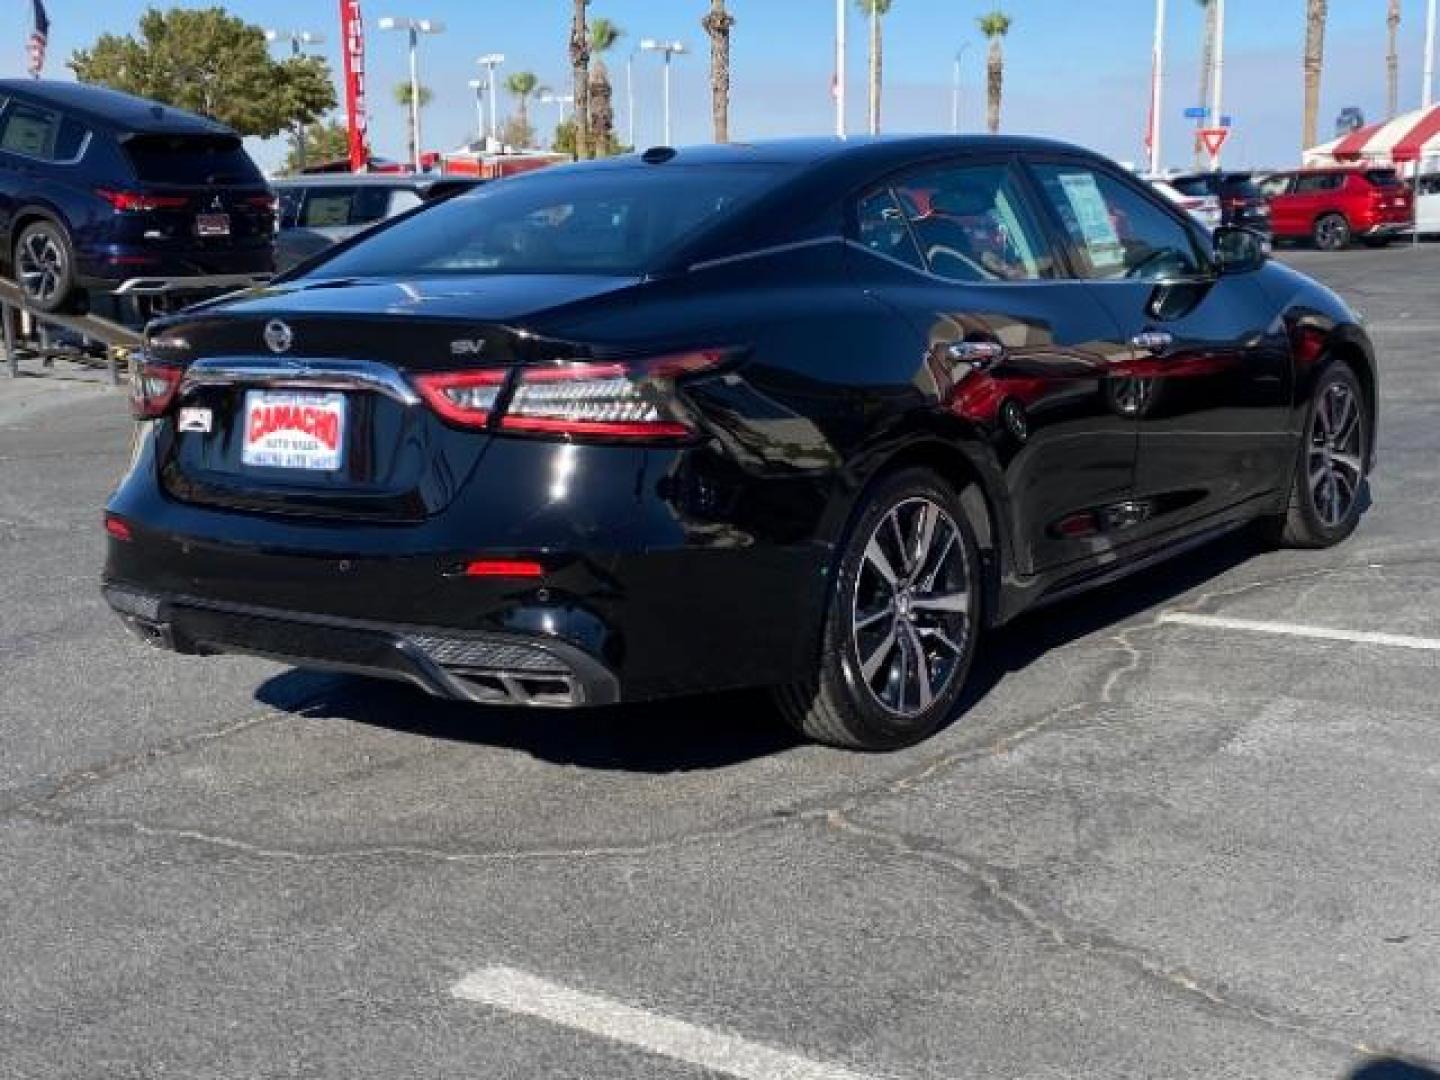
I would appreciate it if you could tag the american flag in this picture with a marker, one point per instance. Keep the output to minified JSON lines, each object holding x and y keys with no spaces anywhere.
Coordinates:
{"x":39,"y":39}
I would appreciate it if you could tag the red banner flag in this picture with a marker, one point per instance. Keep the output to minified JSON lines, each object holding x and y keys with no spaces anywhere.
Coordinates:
{"x":353,"y":36}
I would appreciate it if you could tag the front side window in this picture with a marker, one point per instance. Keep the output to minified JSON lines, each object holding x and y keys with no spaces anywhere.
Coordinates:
{"x":1115,"y":230}
{"x":972,"y":225}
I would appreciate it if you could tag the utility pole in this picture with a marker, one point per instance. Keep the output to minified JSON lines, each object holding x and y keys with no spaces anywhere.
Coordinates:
{"x":413,"y":28}
{"x":1157,"y":89}
{"x":1217,"y":117}
{"x":874,"y":83}
{"x":839,"y":88}
{"x":955,"y":92}
{"x":297,"y":39}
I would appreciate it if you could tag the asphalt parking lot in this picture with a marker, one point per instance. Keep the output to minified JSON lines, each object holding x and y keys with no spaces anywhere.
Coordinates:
{"x":1189,"y":828}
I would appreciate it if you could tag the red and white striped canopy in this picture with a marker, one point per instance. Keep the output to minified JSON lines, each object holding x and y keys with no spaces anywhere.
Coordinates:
{"x":1413,"y":136}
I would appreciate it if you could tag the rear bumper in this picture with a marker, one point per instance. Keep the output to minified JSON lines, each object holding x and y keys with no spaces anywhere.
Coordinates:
{"x":488,"y":668}
{"x":118,"y":264}
{"x":1387,"y":228}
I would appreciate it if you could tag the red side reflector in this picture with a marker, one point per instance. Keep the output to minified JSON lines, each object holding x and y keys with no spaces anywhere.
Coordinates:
{"x":117,"y":528}
{"x":517,"y":568}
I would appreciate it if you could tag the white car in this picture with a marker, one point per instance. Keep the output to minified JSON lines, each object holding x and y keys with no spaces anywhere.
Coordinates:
{"x":1427,"y":204}
{"x":1203,"y":208}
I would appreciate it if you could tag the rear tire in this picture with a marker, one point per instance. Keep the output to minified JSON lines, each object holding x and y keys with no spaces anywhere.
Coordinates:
{"x":1326,"y":497}
{"x":1331,"y":233}
{"x":903,"y":619}
{"x":44,"y":265}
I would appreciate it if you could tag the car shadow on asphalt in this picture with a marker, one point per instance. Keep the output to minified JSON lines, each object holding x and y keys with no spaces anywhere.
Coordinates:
{"x":1392,"y":1069}
{"x":717,"y":731}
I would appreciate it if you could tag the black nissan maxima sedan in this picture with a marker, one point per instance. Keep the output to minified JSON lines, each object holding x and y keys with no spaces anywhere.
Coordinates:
{"x":810,"y":415}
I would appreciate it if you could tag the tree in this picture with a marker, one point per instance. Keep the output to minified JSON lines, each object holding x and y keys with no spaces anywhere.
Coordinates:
{"x":580,"y":76}
{"x":1392,"y":57}
{"x":522,"y":86}
{"x":994,"y":26}
{"x":402,"y":98}
{"x":876,"y":10}
{"x":563,"y":141}
{"x":517,"y":132}
{"x":1207,"y":67}
{"x":718,"y":24}
{"x":1314,"y":63}
{"x":603,"y":36}
{"x":327,"y":140}
{"x":206,"y":61}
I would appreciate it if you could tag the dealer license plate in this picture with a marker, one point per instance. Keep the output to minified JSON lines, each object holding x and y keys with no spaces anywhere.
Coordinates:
{"x":294,"y":429}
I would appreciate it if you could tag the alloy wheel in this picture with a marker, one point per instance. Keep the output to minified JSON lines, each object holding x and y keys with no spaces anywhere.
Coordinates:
{"x":1336,"y":463}
{"x":1332,"y":233}
{"x":911,"y":613}
{"x":41,"y":266}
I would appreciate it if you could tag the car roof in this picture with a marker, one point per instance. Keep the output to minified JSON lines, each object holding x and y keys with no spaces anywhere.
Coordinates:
{"x":100,"y":106}
{"x":864,"y":151}
{"x":400,"y":180}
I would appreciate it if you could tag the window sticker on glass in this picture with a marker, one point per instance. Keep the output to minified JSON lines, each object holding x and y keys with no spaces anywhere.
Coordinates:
{"x":1092,"y":216}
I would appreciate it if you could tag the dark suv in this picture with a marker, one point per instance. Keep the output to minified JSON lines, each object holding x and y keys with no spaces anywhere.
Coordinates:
{"x":103,"y":191}
{"x":1242,"y":204}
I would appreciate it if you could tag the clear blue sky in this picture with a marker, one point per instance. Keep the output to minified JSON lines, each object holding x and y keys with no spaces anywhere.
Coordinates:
{"x":1073,"y":70}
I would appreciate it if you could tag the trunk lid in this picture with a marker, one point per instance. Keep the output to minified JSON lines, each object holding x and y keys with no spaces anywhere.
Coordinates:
{"x":297,"y":399}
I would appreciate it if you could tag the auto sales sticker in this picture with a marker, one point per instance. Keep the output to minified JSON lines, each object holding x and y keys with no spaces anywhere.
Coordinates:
{"x":293,"y":429}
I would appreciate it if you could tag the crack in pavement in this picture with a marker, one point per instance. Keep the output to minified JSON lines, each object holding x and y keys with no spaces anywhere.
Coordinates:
{"x":1092,"y":943}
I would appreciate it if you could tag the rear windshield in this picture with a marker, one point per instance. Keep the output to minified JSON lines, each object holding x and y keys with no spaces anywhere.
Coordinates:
{"x":1383,"y":177}
{"x":191,"y":160}
{"x":559,"y":222}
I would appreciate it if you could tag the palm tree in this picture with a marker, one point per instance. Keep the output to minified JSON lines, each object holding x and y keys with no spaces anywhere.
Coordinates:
{"x":995,"y":26}
{"x":876,"y":10}
{"x":1315,"y":14}
{"x":718,"y":24}
{"x":402,"y":98}
{"x":1207,"y":67}
{"x":580,"y":75}
{"x":1392,"y":58}
{"x":603,"y":36}
{"x":522,"y":85}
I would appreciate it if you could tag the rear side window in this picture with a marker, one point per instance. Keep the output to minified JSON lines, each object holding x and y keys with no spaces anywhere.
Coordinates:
{"x":1197,"y":187}
{"x":1311,"y":183}
{"x":71,"y":139}
{"x":1275,"y":185}
{"x":610,"y":221}
{"x":1239,"y":185}
{"x":30,"y":132}
{"x":972,"y":225}
{"x":1386,"y":178}
{"x":1116,"y":231}
{"x":884,"y":231}
{"x":190,"y":160}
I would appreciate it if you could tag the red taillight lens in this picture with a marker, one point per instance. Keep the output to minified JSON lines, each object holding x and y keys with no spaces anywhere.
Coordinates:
{"x":466,"y":398}
{"x":615,"y":400}
{"x":118,"y":528}
{"x":152,"y":389}
{"x":268,"y":203}
{"x":512,"y":568}
{"x":131,"y":202}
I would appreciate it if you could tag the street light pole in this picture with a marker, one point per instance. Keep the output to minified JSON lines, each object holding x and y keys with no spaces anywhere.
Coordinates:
{"x":1157,"y":88}
{"x":1427,"y":95}
{"x":413,"y":28}
{"x":297,"y":38}
{"x":478,"y":85}
{"x":669,"y":49}
{"x":490,"y":61}
{"x":955,"y":92}
{"x":839,"y":88}
{"x":1216,"y":100}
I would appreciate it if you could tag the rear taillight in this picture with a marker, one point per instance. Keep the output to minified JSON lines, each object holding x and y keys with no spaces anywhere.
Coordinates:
{"x":267,"y":203}
{"x":466,"y":398}
{"x":152,"y":389}
{"x":131,"y":202}
{"x":619,"y":399}
{"x":119,"y":528}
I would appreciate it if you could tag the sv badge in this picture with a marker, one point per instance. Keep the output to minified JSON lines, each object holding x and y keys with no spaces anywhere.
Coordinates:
{"x":467,"y":347}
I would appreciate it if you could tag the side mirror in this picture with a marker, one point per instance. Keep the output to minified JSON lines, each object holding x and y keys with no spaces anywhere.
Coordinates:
{"x":1238,"y":250}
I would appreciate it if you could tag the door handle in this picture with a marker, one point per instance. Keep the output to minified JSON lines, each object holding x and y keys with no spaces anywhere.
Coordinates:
{"x":1153,"y":341}
{"x":978,"y":354}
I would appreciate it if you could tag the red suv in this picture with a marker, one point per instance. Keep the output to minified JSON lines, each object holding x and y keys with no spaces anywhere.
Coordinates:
{"x":1334,"y":206}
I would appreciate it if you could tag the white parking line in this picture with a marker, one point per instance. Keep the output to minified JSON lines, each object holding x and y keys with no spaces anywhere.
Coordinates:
{"x":1358,"y":637}
{"x":518,"y":992}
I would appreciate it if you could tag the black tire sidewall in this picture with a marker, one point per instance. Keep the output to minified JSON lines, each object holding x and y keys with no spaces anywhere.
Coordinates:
{"x":1319,"y":533}
{"x":66,"y":295}
{"x":872,"y":724}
